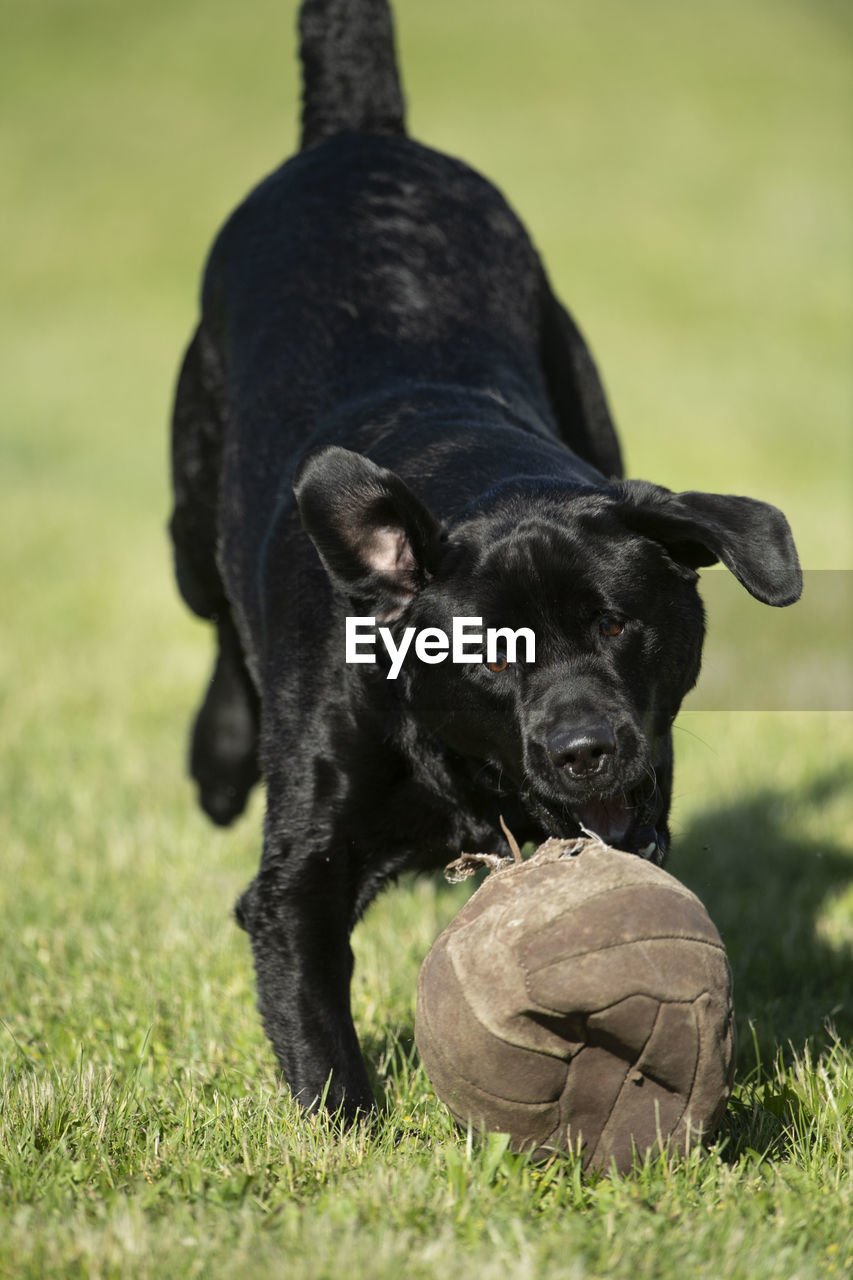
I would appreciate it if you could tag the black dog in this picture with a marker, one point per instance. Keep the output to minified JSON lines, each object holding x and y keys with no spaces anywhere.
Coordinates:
{"x":375,"y":295}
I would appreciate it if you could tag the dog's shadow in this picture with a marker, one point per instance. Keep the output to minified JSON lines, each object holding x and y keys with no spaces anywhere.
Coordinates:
{"x":770,"y":889}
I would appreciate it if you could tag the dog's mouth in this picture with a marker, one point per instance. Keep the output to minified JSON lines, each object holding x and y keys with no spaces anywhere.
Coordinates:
{"x":621,"y":824}
{"x":610,"y":819}
{"x":625,"y":820}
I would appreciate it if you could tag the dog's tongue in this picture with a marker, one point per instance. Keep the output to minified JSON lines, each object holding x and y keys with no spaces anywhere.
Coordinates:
{"x":609,"y":819}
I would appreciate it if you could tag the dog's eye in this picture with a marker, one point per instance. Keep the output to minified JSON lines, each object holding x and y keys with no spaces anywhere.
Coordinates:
{"x":610,"y":627}
{"x":500,"y":663}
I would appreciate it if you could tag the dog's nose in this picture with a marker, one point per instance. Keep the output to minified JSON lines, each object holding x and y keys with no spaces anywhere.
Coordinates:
{"x":582,"y":749}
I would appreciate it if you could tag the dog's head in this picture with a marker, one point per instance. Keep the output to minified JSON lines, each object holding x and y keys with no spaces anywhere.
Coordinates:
{"x":605,"y":578}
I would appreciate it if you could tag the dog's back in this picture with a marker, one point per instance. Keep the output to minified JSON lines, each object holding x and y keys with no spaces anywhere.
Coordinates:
{"x":375,"y":293}
{"x":368,"y":266}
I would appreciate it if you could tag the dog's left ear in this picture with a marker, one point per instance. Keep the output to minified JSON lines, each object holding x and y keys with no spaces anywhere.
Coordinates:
{"x":752,"y":539}
{"x":378,"y":542}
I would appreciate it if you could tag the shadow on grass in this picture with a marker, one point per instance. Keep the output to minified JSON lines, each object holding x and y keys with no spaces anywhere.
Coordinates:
{"x":767,"y":884}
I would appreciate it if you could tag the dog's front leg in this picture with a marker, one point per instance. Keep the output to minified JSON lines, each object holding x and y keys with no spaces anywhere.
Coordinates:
{"x":298,"y":915}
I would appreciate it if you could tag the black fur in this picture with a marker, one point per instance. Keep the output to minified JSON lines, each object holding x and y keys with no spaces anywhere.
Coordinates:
{"x":378,"y":331}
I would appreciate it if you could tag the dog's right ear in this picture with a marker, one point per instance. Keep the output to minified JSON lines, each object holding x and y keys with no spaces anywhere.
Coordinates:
{"x":378,"y":542}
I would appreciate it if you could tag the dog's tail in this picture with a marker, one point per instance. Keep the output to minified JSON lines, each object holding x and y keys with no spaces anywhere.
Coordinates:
{"x":349,"y":68}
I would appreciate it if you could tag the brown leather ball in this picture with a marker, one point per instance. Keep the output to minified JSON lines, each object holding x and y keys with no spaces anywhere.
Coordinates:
{"x":581,"y":1000}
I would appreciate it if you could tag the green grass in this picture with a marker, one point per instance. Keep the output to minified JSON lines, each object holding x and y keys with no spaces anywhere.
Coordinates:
{"x":685,"y":171}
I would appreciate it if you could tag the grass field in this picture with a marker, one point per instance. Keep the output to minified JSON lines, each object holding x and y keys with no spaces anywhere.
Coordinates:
{"x":685,"y":171}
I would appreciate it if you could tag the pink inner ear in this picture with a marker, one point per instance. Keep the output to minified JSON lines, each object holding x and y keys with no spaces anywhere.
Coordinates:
{"x":388,"y":551}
